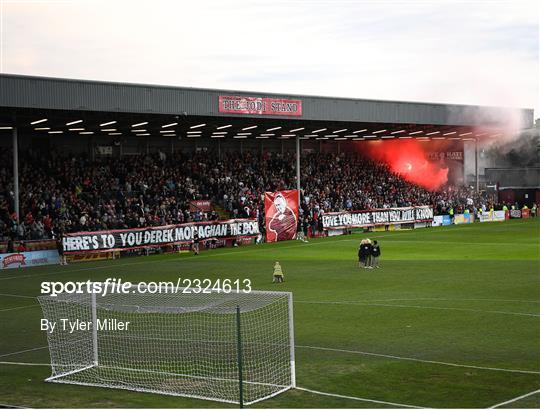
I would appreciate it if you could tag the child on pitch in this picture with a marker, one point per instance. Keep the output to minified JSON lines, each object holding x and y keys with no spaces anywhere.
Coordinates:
{"x":278,"y":273}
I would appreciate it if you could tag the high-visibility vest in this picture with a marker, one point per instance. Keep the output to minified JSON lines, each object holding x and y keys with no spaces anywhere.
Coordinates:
{"x":278,"y":271}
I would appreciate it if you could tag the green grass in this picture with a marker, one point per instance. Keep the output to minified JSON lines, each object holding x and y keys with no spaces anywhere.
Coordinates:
{"x":462,"y":294}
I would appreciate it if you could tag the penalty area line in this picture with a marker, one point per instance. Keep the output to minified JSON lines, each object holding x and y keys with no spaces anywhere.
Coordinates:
{"x":515,"y":399}
{"x":26,"y":364}
{"x":367,"y":303}
{"x":358,"y":398}
{"x":413,"y":359}
{"x":23,"y":351}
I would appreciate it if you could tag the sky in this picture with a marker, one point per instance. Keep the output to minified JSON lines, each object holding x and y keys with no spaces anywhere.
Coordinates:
{"x":465,"y":52}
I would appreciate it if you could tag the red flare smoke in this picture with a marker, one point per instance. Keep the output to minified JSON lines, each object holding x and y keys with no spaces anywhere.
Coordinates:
{"x":408,"y":158}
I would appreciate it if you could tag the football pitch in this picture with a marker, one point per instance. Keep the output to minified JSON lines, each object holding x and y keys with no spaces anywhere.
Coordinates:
{"x":451,"y":319}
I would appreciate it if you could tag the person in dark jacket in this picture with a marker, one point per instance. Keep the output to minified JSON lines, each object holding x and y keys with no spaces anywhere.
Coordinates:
{"x":375,"y":254}
{"x":364,"y":254}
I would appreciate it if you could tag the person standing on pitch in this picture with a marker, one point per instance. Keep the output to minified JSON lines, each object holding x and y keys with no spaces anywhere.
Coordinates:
{"x":364,"y":253}
{"x":196,"y":243}
{"x":375,"y":253}
{"x":361,"y":255}
{"x":368,"y":256}
{"x":278,"y":273}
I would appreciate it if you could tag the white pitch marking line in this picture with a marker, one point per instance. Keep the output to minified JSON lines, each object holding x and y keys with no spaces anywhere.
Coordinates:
{"x":373,"y":300}
{"x":17,"y":296}
{"x":516,"y":399}
{"x":26,"y":364}
{"x":358,"y":398}
{"x":418,"y":360}
{"x":23,"y":351}
{"x":18,"y":307}
{"x":417,"y":307}
{"x":455,"y":300}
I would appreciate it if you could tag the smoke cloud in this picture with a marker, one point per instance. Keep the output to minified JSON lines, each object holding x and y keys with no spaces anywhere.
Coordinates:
{"x":409,"y":159}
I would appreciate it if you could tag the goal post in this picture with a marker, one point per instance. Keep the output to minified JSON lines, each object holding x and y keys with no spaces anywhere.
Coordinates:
{"x":229,"y":347}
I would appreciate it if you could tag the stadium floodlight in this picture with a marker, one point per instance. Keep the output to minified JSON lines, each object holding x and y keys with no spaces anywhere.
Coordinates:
{"x":172,"y":124}
{"x":288,"y":135}
{"x":370,"y":136}
{"x":423,"y":139}
{"x":115,"y":133}
{"x":338,"y":131}
{"x":139,"y":124}
{"x":194,"y":132}
{"x":262,"y":137}
{"x":56,"y":132}
{"x":273,"y":129}
{"x":193,"y":135}
{"x":387,"y":136}
{"x":322,"y":129}
{"x":405,"y":137}
{"x":239,"y":136}
{"x":297,"y":129}
{"x":340,"y":139}
{"x":397,"y":132}
{"x":74,"y":122}
{"x":166,"y":131}
{"x":267,"y":135}
{"x":224,"y":126}
{"x":42,"y":129}
{"x":449,"y":133}
{"x":6,"y":128}
{"x":230,"y":347}
{"x":139,"y":130}
{"x":219,"y":133}
{"x":217,"y":136}
{"x":143,"y":135}
{"x":379,"y":131}
{"x":321,"y":138}
{"x":108,"y":129}
{"x":197,"y":126}
{"x":465,"y":133}
{"x":415,"y":132}
{"x":433,"y":133}
{"x":358,"y":139}
{"x":359,"y":131}
{"x":250,"y":128}
{"x":74,"y":129}
{"x":107,"y":123}
{"x":38,"y":121}
{"x":243,"y":133}
{"x":86,"y":132}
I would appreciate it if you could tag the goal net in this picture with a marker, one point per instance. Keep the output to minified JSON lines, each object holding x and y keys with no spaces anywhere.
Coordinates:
{"x":230,"y":347}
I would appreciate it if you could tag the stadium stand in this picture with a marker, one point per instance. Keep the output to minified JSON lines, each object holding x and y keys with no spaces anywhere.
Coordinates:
{"x":70,"y":193}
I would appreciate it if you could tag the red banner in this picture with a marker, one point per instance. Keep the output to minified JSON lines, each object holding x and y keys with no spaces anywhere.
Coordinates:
{"x":281,"y":212}
{"x":204,"y":205}
{"x":259,"y":105}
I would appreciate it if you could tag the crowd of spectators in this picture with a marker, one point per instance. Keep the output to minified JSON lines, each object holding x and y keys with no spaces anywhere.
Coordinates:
{"x":73,"y":193}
